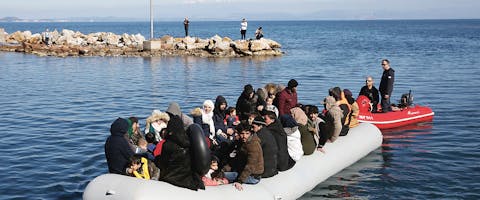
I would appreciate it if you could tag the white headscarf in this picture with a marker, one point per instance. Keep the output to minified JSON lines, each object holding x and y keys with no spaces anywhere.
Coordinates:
{"x":207,"y":118}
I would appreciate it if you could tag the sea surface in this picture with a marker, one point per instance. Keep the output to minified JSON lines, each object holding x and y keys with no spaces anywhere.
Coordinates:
{"x":55,"y":113}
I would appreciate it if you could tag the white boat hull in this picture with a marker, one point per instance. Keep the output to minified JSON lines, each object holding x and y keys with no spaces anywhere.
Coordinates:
{"x":291,"y":184}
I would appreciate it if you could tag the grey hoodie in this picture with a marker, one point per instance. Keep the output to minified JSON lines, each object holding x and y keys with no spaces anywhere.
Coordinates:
{"x":174,"y":109}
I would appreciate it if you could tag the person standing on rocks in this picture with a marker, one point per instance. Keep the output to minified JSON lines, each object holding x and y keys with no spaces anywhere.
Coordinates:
{"x":185,"y":24}
{"x":243,"y":29}
{"x":46,"y":37}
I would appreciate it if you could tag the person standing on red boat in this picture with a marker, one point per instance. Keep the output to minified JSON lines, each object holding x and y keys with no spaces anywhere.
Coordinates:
{"x":386,"y":85}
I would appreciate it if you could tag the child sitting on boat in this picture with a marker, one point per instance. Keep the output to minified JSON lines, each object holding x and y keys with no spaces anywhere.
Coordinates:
{"x":231,"y":119}
{"x":142,"y":168}
{"x":214,"y":176}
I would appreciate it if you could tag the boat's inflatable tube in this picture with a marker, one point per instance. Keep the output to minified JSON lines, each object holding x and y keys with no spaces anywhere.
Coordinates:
{"x":291,"y":184}
{"x":198,"y":149}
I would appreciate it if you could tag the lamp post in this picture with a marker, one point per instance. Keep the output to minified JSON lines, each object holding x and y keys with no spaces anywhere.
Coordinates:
{"x":151,"y":20}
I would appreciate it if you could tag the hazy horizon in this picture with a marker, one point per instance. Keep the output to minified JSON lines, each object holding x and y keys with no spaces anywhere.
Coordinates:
{"x":234,"y":10}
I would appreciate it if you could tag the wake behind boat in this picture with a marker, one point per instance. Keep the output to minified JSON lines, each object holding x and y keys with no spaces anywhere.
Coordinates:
{"x":291,"y":184}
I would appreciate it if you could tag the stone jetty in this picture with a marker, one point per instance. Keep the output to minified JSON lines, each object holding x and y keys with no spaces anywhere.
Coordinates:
{"x":73,"y":43}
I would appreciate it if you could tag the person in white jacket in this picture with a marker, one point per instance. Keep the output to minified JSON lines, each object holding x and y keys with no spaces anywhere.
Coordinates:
{"x":294,"y":143}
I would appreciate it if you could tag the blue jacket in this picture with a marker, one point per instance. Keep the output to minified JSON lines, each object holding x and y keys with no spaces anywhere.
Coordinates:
{"x":117,"y":149}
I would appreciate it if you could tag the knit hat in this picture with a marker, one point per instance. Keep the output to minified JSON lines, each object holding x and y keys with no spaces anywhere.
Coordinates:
{"x":292,"y":83}
{"x":259,"y":121}
{"x":288,"y":121}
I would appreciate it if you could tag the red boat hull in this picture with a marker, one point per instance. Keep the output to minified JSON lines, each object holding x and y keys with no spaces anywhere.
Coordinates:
{"x":394,"y":119}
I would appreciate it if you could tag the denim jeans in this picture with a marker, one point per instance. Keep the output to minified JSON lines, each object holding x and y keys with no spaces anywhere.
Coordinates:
{"x":232,"y":176}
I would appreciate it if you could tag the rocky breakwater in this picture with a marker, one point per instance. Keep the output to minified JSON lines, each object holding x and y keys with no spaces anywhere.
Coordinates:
{"x":71,"y":43}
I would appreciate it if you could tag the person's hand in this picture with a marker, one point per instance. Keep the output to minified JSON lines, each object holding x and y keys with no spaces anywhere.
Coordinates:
{"x":260,"y":107}
{"x":214,"y":142}
{"x":238,"y":186}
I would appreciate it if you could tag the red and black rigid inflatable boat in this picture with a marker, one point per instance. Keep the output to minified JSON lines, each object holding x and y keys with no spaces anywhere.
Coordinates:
{"x":397,"y":118}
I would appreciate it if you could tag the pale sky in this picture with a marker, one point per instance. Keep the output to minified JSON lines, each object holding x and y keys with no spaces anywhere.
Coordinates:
{"x":167,"y":10}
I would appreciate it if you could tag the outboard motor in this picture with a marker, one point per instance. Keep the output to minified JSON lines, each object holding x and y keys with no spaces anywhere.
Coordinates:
{"x":406,"y":100}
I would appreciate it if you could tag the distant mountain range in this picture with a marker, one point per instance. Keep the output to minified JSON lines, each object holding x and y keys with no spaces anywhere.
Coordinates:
{"x":75,"y":19}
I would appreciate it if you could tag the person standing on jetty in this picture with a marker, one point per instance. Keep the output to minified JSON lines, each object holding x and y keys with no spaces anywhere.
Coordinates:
{"x":185,"y":25}
{"x":386,"y":85}
{"x":46,"y":37}
{"x":243,"y":29}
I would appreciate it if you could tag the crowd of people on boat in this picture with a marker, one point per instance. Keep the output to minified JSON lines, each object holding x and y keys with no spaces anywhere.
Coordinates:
{"x":265,"y":133}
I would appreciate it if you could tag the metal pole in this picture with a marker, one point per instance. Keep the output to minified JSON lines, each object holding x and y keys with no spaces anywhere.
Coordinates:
{"x":151,"y":20}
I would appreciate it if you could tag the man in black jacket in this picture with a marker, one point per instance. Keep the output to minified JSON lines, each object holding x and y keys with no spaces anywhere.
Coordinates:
{"x":370,"y":91}
{"x":117,"y":149}
{"x":386,"y":85}
{"x":269,"y":147}
{"x":284,"y":161}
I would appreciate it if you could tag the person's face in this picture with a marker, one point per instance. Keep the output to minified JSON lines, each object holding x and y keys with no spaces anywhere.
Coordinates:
{"x":244,"y":135}
{"x":234,"y":113}
{"x":369,"y":82}
{"x":313,"y":116}
{"x":136,"y":166}
{"x":268,"y":120}
{"x":214,"y":166}
{"x":250,"y":95}
{"x":269,"y":101}
{"x":223,"y":106}
{"x":207,"y":109}
{"x":256,"y":128}
{"x":250,"y":119}
{"x":135,"y":127}
{"x":385,"y":65}
{"x":294,"y":89}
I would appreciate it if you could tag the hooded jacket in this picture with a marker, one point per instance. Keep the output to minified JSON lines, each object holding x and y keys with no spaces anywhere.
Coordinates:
{"x":246,"y":105}
{"x":174,"y":109}
{"x":117,"y":149}
{"x":175,"y":160}
{"x":219,"y":115}
{"x":307,"y":138}
{"x":283,"y":158}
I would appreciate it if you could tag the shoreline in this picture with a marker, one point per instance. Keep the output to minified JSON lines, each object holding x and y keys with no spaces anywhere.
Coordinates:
{"x":70,"y":43}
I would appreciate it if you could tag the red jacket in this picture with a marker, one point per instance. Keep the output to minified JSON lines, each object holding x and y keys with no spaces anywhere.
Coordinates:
{"x":286,"y":101}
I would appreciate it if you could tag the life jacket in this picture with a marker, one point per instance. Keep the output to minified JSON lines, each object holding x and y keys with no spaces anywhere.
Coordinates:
{"x":145,"y":174}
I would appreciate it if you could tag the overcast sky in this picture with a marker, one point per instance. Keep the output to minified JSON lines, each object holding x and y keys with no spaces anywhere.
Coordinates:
{"x":236,"y":9}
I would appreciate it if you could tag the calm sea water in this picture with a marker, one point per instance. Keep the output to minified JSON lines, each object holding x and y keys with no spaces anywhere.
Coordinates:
{"x":56,"y":112}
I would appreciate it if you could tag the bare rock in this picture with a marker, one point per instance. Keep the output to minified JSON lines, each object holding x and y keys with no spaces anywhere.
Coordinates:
{"x":167,"y":39}
{"x":272,"y":44}
{"x":259,"y":45}
{"x":188,"y":40}
{"x":3,"y":37}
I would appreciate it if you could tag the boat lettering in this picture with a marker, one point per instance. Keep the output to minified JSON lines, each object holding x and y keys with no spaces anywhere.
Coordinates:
{"x":365,"y":117}
{"x":413,"y":113}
